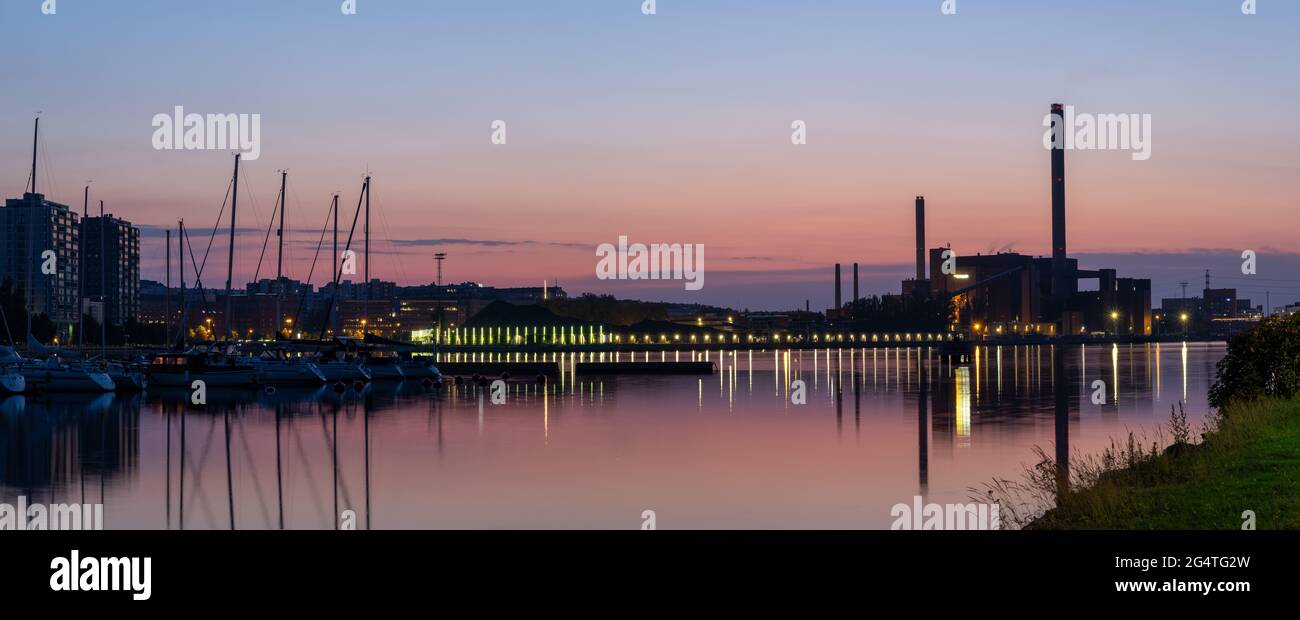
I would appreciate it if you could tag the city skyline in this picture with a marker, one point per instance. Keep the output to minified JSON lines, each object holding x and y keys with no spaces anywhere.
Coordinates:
{"x":668,"y":150}
{"x":790,"y":269}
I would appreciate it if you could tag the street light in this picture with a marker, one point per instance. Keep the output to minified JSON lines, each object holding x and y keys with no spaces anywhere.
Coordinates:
{"x":440,"y":256}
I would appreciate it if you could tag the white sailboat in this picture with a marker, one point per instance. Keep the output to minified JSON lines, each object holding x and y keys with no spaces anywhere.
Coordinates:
{"x":384,"y":366}
{"x":51,"y":373}
{"x":126,"y":377}
{"x":340,"y":367}
{"x":273,"y":367}
{"x":420,"y":368}
{"x":54,"y":374}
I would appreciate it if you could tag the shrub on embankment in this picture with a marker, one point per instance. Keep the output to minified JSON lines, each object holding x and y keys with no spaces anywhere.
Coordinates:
{"x":1246,"y":465}
{"x":1263,"y":361}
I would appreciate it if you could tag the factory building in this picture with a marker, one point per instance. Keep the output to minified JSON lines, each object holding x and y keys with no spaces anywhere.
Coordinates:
{"x":1009,"y":293}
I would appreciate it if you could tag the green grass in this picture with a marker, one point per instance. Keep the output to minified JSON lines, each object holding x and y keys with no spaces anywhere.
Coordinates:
{"x":1249,"y":460}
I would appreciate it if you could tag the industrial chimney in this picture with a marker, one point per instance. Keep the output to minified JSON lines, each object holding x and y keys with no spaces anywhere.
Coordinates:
{"x":920,"y":237}
{"x":855,"y":284}
{"x":837,"y":286}
{"x":1060,"y":288}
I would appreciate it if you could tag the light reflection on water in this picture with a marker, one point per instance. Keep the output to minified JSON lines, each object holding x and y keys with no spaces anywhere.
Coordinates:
{"x":728,"y":450}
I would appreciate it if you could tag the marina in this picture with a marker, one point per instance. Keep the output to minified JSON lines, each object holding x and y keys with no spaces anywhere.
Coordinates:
{"x":726,"y":450}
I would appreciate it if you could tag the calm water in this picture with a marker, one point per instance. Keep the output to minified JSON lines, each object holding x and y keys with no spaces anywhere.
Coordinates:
{"x":723,"y":451}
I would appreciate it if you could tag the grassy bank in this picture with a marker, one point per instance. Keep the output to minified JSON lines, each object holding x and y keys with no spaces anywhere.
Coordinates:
{"x":1249,"y":459}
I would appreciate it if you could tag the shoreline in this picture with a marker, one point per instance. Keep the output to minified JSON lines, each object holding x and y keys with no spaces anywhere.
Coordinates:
{"x":1243,"y":474}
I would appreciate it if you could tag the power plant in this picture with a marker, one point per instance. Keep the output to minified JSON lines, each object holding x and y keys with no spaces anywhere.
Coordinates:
{"x":1008,"y":293}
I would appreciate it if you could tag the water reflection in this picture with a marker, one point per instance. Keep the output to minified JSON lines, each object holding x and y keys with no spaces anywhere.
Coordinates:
{"x":1063,"y":405}
{"x":581,"y":451}
{"x":74,"y":444}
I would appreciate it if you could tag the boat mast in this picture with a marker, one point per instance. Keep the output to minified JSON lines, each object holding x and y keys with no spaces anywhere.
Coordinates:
{"x":279,"y":259}
{"x":334,"y":310}
{"x":31,"y":238}
{"x":103,"y":292}
{"x":338,"y":271}
{"x":167,"y":320}
{"x":230,"y":257}
{"x":365,"y":307}
{"x":81,"y":275}
{"x":184,"y":308}
{"x":36,"y":134}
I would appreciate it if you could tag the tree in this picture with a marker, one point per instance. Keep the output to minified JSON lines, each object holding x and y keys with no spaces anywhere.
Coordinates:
{"x":606,"y":309}
{"x":1262,"y":361}
{"x":13,"y":302}
{"x":12,"y":311}
{"x":898,"y":312}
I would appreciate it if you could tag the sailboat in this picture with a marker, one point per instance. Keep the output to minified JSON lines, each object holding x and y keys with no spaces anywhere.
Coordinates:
{"x":54,"y":373}
{"x":337,"y":365}
{"x":420,"y":368}
{"x":340,"y":366}
{"x":384,"y":365}
{"x":275,"y":365}
{"x":126,"y":377}
{"x":214,"y":366}
{"x":383,"y":352}
{"x":382,"y":362}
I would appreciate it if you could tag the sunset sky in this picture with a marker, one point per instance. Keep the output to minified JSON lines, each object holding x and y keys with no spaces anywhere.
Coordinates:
{"x":675,"y":128}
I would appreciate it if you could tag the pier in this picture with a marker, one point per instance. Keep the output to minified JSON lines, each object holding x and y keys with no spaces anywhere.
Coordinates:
{"x":645,"y":368}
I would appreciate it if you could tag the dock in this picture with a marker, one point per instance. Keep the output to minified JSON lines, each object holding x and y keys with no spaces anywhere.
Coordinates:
{"x":644,"y":368}
{"x":495,"y":370}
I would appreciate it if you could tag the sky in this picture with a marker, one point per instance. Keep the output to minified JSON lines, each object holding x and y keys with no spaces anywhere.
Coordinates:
{"x":676,"y":127}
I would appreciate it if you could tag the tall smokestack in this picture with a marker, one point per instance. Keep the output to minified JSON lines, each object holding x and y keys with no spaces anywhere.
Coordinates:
{"x":1059,"y":276}
{"x":837,"y":287}
{"x":920,"y":237}
{"x":855,"y":284}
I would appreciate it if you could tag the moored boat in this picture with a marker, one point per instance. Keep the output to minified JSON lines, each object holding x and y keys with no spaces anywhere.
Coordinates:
{"x":420,"y":368}
{"x":285,"y":371}
{"x":126,"y":378}
{"x":215,"y":370}
{"x":52,"y":374}
{"x":384,"y":366}
{"x":335,"y":369}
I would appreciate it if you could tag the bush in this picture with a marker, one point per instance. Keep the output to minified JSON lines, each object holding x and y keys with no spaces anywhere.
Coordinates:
{"x":1263,"y":361}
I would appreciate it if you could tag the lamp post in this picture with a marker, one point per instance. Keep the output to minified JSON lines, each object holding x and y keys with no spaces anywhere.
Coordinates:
{"x":440,"y":256}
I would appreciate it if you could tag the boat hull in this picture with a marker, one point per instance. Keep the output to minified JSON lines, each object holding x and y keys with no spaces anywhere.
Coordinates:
{"x":12,"y":383}
{"x":416,"y":370}
{"x":128,"y":381}
{"x":342,"y":371}
{"x":386,"y":372}
{"x":67,"y":380}
{"x":288,"y":373}
{"x":230,"y":378}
